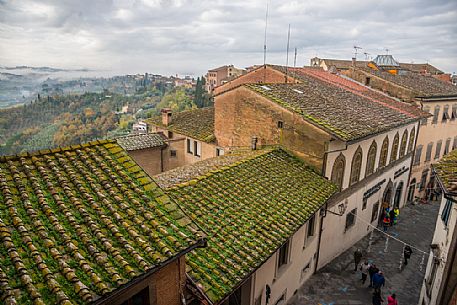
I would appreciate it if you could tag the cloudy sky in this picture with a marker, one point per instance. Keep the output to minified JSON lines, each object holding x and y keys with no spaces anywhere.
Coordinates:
{"x":190,"y":36}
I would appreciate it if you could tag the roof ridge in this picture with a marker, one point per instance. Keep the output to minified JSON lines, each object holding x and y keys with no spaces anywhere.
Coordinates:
{"x":42,"y":152}
{"x":223,"y":168}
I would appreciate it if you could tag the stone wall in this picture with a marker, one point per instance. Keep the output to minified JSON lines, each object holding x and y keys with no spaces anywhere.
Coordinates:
{"x":241,"y":114}
{"x":149,"y":159}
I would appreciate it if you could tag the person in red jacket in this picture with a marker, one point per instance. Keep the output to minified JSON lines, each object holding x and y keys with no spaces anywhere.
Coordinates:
{"x":392,"y":299}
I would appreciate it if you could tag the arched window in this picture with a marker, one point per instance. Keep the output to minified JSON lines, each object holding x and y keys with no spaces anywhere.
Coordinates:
{"x":394,"y":152}
{"x":404,"y":142}
{"x":338,"y":171}
{"x":384,"y":153}
{"x":436,"y":112}
{"x":424,"y":120}
{"x":412,"y":136}
{"x":356,"y":166}
{"x":371,"y":159}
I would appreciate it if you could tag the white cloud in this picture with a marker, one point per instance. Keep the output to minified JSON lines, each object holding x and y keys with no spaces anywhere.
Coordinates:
{"x":182,"y":36}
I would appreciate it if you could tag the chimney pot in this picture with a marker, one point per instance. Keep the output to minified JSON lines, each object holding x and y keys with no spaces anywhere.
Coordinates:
{"x":166,"y":116}
{"x":254,"y":143}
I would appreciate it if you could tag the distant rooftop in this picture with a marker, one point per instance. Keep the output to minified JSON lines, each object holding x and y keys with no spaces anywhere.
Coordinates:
{"x":421,"y":85}
{"x":386,"y":61}
{"x":196,"y":123}
{"x":140,"y":141}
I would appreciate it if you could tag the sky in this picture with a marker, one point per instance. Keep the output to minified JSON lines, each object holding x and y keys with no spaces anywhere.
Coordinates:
{"x":188,"y":37}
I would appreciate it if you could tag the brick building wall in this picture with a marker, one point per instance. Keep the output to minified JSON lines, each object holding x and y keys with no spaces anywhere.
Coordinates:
{"x":241,"y":114}
{"x":164,"y":286}
{"x":149,"y":159}
{"x":259,"y":75}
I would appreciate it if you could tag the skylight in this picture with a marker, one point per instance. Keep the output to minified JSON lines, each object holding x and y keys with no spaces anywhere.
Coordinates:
{"x":298,"y":91}
{"x":265,"y":87}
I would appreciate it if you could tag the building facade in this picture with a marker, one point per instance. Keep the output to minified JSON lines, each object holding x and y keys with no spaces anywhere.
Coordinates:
{"x":369,"y":159}
{"x":440,"y":281}
{"x":438,"y":134}
{"x":218,"y":76}
{"x":188,"y":134}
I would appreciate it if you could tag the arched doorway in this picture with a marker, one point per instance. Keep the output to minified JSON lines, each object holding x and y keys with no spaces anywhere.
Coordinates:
{"x":411,"y":190}
{"x":386,"y":198}
{"x":398,"y":193}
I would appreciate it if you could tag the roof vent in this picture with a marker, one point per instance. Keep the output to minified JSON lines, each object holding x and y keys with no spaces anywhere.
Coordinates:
{"x":265,"y":87}
{"x":298,"y":91}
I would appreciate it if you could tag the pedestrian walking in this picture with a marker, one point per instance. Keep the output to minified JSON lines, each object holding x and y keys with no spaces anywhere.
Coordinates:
{"x":378,"y":281}
{"x":392,"y":217}
{"x":392,"y":299}
{"x":397,"y":213}
{"x":357,"y":258}
{"x":386,"y":221}
{"x":407,"y":251}
{"x":364,"y":268}
{"x":371,"y":272}
{"x":377,"y":298}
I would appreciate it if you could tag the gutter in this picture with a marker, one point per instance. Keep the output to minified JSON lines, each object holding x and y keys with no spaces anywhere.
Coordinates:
{"x":115,"y":295}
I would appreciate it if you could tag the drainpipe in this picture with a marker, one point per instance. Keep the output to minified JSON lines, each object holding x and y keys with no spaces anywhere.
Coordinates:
{"x":320,"y":236}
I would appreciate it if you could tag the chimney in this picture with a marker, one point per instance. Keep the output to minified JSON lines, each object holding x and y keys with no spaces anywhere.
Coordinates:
{"x":254,"y":143}
{"x":166,"y":116}
{"x":353,"y":62}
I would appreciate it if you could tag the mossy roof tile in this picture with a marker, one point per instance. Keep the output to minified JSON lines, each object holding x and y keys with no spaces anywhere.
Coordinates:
{"x":248,"y":210}
{"x":75,"y":224}
{"x":196,"y":123}
{"x":328,"y":100}
{"x":446,"y":169}
{"x":140,"y":141}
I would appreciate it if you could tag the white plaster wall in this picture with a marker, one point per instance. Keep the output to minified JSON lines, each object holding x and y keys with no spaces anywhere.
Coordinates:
{"x":433,"y":133}
{"x":442,"y":237}
{"x":290,"y":276}
{"x":337,"y":147}
{"x":335,"y":239}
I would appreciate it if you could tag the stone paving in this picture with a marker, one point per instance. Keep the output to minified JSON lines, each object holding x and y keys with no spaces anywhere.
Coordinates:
{"x":337,"y":283}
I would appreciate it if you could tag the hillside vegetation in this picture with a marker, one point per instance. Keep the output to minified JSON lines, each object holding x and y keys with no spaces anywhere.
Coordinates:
{"x":69,"y":119}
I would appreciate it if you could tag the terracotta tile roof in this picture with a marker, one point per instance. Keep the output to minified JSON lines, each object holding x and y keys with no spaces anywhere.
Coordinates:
{"x":140,"y":141}
{"x":328,"y":100}
{"x":77,"y":223}
{"x":421,"y":85}
{"x":248,"y":210}
{"x":188,"y":172}
{"x":421,"y":68}
{"x":446,"y":169}
{"x":196,"y":123}
{"x":344,"y":64}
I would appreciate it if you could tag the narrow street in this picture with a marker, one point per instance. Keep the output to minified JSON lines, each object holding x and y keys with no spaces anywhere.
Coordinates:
{"x":338,"y":284}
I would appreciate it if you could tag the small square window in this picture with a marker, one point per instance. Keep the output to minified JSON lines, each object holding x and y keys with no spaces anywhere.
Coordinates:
{"x":364,"y":203}
{"x":280,"y":124}
{"x":311,"y":227}
{"x":173,"y":153}
{"x":283,"y":256}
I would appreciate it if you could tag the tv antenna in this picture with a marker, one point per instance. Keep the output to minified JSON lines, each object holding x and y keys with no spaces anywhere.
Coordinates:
{"x":287,"y":52}
{"x":387,"y":51}
{"x":366,"y":55}
{"x":356,"y":48}
{"x":295,"y":58}
{"x":265,"y":45}
{"x":265,"y":38}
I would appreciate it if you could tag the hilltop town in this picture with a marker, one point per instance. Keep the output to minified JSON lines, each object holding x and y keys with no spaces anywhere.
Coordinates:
{"x":265,"y":185}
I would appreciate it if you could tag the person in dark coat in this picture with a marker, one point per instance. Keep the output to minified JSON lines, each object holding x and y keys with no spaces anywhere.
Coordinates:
{"x":371,"y":272}
{"x":407,"y":251}
{"x":377,"y":298}
{"x":357,"y":258}
{"x":378,"y":281}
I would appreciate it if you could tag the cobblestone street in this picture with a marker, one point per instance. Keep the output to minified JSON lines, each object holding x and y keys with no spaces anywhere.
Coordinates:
{"x":338,"y":284}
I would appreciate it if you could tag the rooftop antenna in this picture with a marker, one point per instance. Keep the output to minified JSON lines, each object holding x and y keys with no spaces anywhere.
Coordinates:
{"x":387,"y":51}
{"x":287,"y":51}
{"x":367,"y":55}
{"x":265,"y":45}
{"x":356,"y":48}
{"x":295,"y":58}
